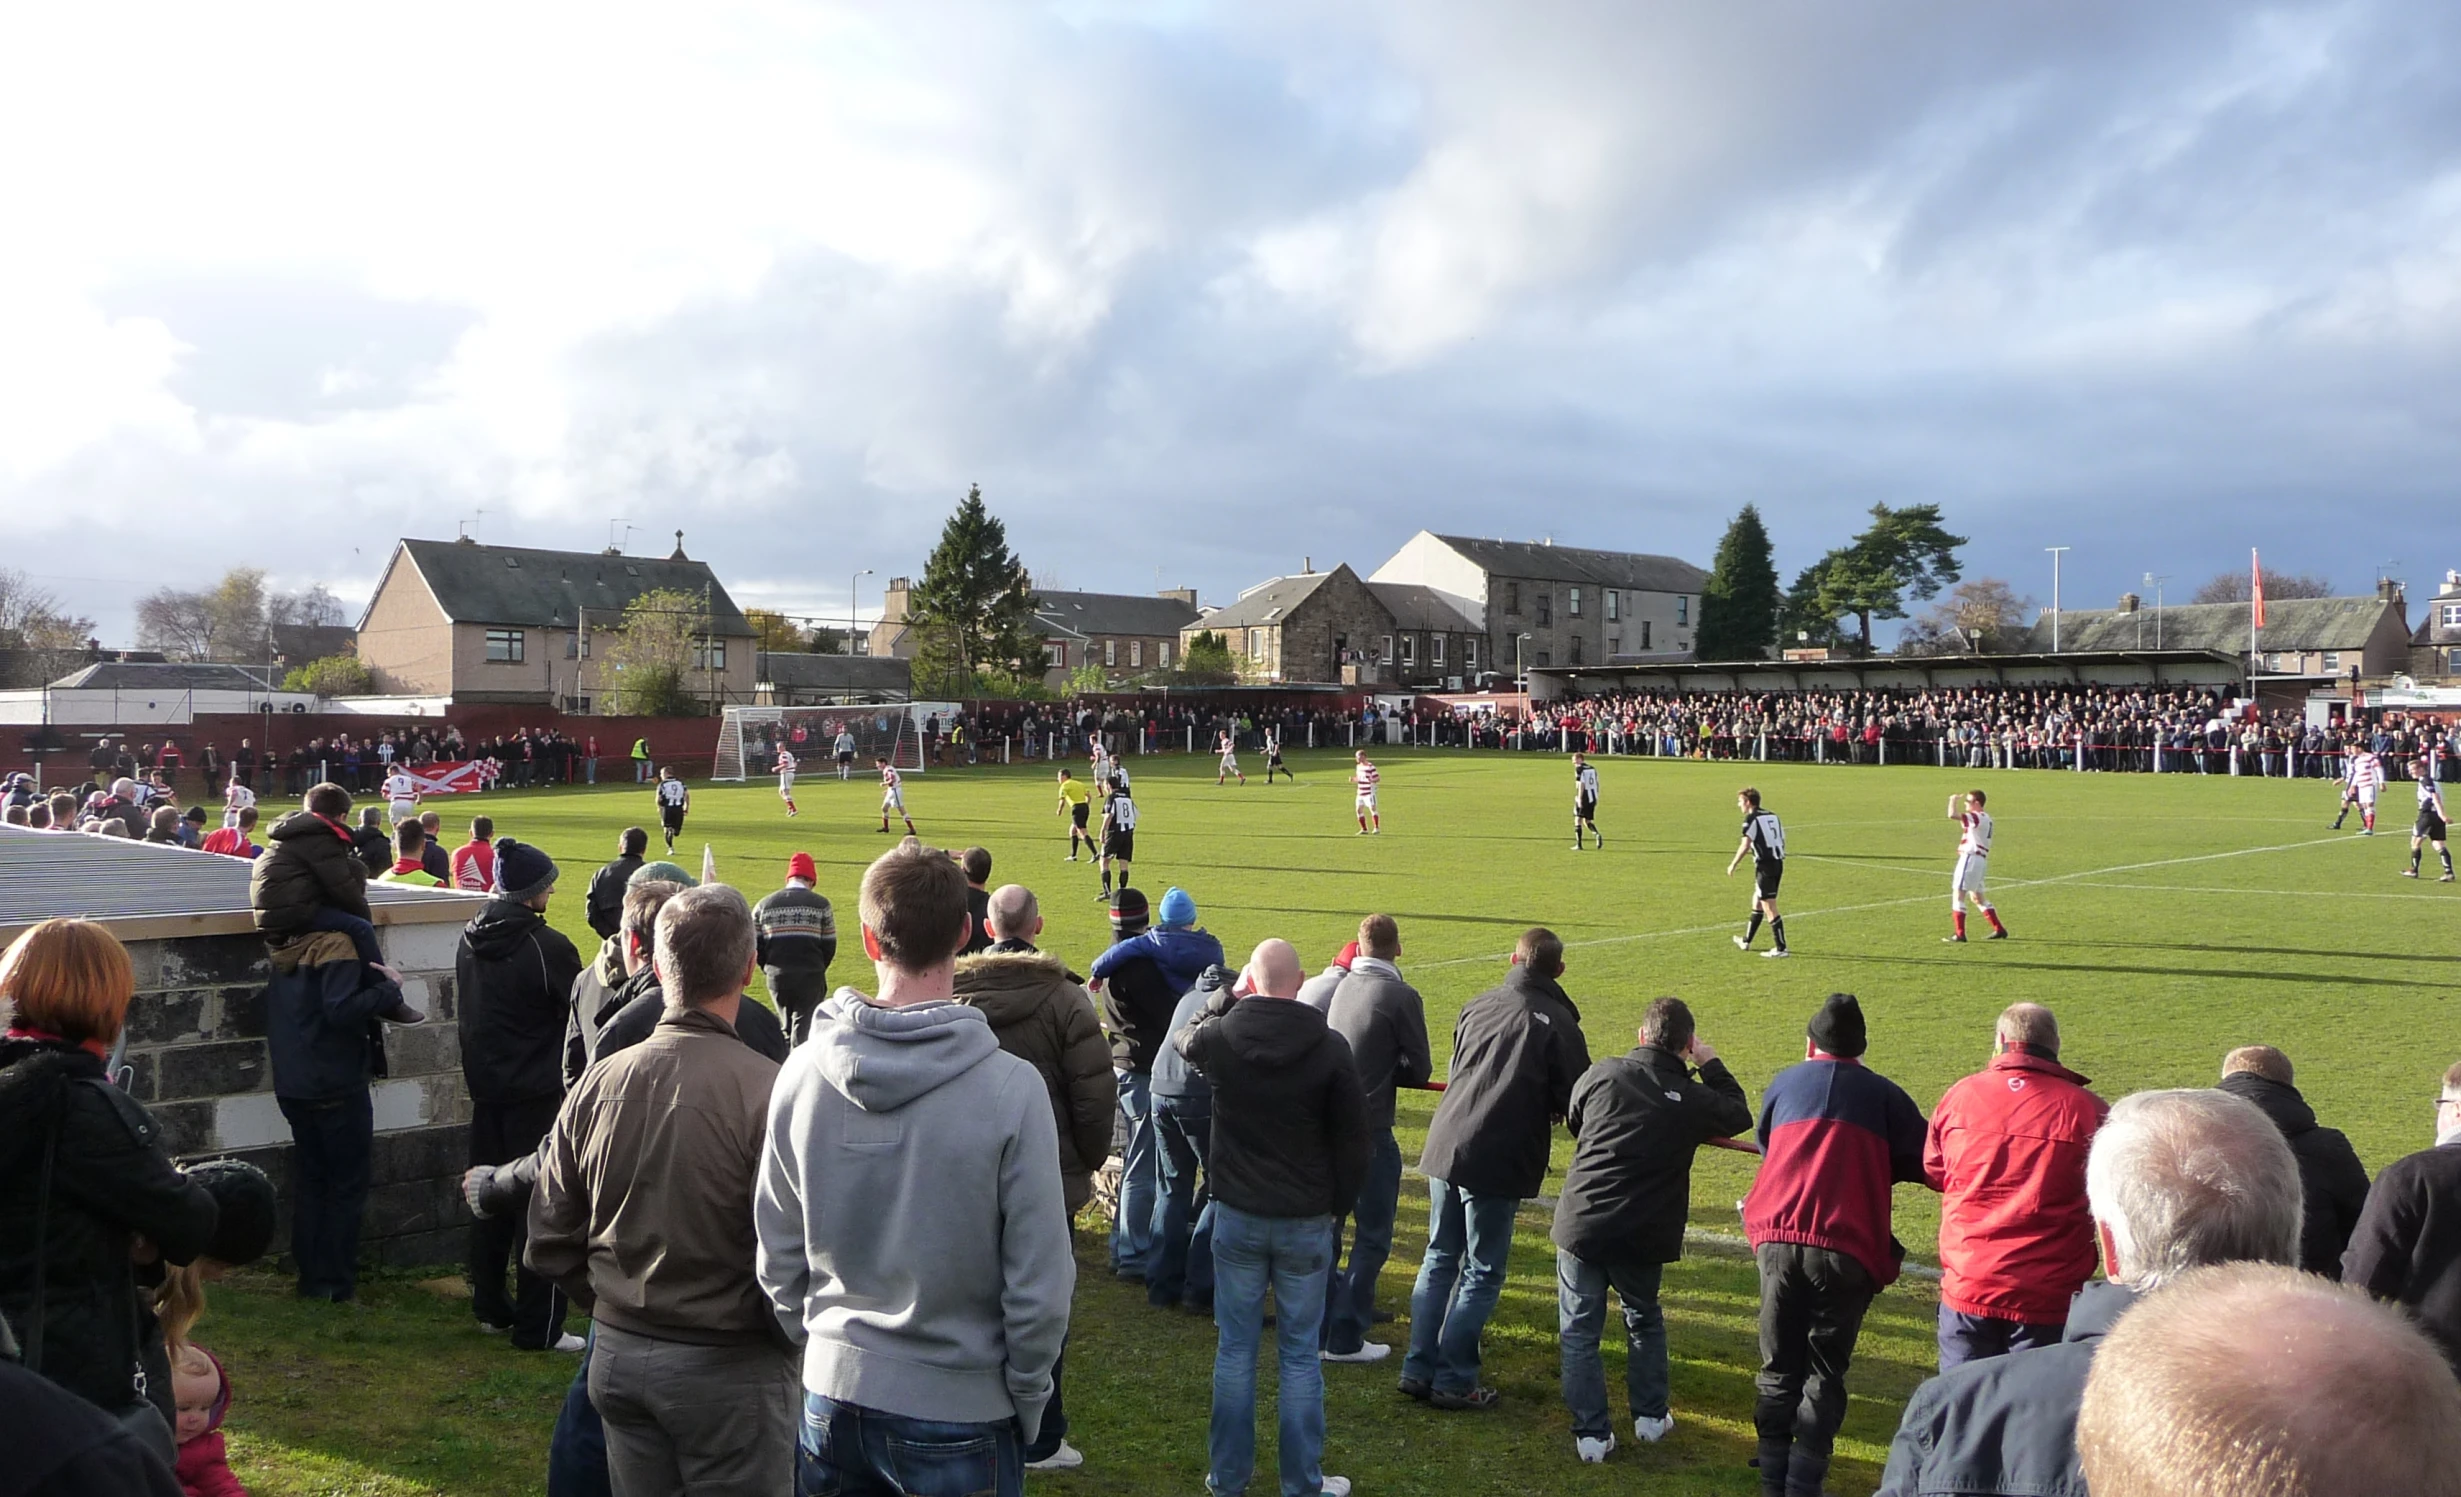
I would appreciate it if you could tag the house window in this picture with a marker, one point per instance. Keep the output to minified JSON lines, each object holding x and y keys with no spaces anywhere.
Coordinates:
{"x":577,"y":704}
{"x":505,"y":646}
{"x":1435,"y":650}
{"x":1110,"y":652}
{"x":709,"y":655}
{"x":1409,"y":649}
{"x":1575,"y":656}
{"x":2450,"y":613}
{"x":2452,"y":662}
{"x":1055,"y":656}
{"x":1136,"y":653}
{"x":1545,"y":658}
{"x":1512,"y":600}
{"x":1614,"y":605}
{"x":2332,"y":662}
{"x":1644,"y":634}
{"x":1572,"y":602}
{"x":1469,"y":654}
{"x":1256,"y":644}
{"x":1614,"y":645}
{"x":1384,"y":647}
{"x":1683,"y":611}
{"x":1546,"y":611}
{"x":2273,"y":662}
{"x":1165,"y":656}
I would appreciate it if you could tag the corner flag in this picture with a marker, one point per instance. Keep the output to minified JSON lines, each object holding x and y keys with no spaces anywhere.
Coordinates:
{"x":709,"y":864}
{"x":2256,"y":569}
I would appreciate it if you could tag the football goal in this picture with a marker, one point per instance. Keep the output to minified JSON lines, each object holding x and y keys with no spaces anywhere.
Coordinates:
{"x":750,"y":738}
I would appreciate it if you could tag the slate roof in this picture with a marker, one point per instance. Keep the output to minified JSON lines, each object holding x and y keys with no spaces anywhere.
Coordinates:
{"x":2290,"y":624}
{"x":158,"y":675}
{"x":526,"y":587}
{"x":1625,"y":569}
{"x":1084,"y":614}
{"x":1263,"y":605}
{"x":1414,"y":605}
{"x":797,"y":670}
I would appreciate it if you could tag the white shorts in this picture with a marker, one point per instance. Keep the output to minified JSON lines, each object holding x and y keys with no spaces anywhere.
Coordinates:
{"x":1970,"y":871}
{"x":1367,"y":801}
{"x":2365,"y":795}
{"x":403,"y":810}
{"x":1230,"y":764}
{"x":894,"y":800}
{"x":786,"y":782}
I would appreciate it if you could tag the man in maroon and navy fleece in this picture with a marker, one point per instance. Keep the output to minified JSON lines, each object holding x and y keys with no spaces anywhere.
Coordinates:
{"x":1837,"y":1136}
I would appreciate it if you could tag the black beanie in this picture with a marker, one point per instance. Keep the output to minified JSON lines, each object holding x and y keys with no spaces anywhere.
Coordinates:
{"x":243,"y":1229}
{"x":1838,"y":1028}
{"x":1129,"y":913}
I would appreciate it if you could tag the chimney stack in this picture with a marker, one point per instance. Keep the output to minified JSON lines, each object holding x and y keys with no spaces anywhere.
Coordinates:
{"x":2130,"y":602}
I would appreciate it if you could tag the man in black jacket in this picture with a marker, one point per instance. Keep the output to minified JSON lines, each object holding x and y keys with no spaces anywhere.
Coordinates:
{"x":1136,"y":1000}
{"x":2407,"y":1245}
{"x":1385,"y":1023}
{"x":1290,"y":1146}
{"x":1636,"y":1122}
{"x":2331,"y":1177}
{"x":2177,"y":1179}
{"x":322,"y":1033}
{"x":1517,"y":1050}
{"x":513,"y":978}
{"x":604,"y":903}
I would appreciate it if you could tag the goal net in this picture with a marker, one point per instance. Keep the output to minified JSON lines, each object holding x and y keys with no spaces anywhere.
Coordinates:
{"x":750,"y":738}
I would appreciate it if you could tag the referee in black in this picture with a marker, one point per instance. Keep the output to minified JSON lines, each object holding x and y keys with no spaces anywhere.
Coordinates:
{"x":1765,"y":840}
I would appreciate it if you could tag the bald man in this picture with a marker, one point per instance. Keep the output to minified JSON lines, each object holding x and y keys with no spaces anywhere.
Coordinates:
{"x":2006,"y":1150}
{"x":1290,"y":1150}
{"x":2252,"y":1379}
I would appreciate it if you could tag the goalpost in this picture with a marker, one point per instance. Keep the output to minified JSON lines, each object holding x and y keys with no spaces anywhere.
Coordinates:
{"x":749,"y":737}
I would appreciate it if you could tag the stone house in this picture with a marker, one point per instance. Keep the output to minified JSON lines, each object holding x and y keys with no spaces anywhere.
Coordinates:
{"x":2321,"y":639}
{"x":514,"y":624}
{"x":1563,"y":605}
{"x":1125,"y":634}
{"x":2435,"y":645}
{"x":1312,"y":628}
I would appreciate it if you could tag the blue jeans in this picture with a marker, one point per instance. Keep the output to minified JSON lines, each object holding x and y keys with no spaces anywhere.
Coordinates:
{"x":845,"y":1450}
{"x":1183,"y":1233}
{"x":1580,"y":1307}
{"x":577,"y":1451}
{"x":1293,"y":1254}
{"x":1350,"y":1300}
{"x":1459,"y":1281}
{"x":332,"y":1143}
{"x":1970,"y":1338}
{"x":1132,"y":1234}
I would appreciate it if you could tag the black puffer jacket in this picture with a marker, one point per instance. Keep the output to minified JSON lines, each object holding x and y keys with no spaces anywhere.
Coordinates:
{"x":1637,"y":1120}
{"x":513,"y":979}
{"x":308,"y":861}
{"x":604,"y":904}
{"x":2332,"y":1182}
{"x":111,"y":1181}
{"x":1517,"y":1050}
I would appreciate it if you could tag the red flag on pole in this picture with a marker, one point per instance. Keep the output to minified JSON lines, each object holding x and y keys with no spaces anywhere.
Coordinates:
{"x":2256,"y":568}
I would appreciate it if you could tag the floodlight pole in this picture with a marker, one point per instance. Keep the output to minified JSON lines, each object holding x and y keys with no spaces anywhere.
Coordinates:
{"x":851,"y":584}
{"x":2056,"y":553}
{"x":2155,"y":582}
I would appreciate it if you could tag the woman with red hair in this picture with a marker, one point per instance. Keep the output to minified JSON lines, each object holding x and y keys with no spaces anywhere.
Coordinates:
{"x":86,"y":1188}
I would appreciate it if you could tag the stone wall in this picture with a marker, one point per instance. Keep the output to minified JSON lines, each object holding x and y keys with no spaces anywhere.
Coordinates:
{"x":196,"y":1047}
{"x":1340,"y":613}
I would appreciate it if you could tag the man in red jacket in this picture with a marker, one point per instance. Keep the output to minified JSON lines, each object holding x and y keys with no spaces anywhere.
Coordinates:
{"x":2006,"y":1150}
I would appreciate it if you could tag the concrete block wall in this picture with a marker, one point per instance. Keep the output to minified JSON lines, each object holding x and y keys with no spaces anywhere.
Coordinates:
{"x":196,"y":1048}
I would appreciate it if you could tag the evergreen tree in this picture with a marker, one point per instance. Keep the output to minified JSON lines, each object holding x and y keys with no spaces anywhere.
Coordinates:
{"x":973,"y":611}
{"x":1904,"y":554}
{"x":1739,"y":603}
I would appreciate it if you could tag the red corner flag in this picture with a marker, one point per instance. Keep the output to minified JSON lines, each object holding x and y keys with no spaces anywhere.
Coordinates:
{"x":2257,"y":570}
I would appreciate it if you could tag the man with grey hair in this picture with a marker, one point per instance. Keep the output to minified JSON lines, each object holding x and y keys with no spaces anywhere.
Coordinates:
{"x":2006,"y":1150}
{"x":2407,"y":1244}
{"x":2250,"y":1380}
{"x":643,"y":1214}
{"x":2176,"y":1180}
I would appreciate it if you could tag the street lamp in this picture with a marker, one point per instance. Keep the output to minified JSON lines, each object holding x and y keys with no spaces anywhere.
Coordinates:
{"x":851,"y":584}
{"x":2155,"y":583}
{"x":2056,"y":553}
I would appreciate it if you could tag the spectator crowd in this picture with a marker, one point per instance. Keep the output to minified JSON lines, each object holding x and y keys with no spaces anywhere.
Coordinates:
{"x":828,"y":1248}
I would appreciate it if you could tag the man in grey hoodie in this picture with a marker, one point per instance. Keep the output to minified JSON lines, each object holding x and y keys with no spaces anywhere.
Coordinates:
{"x":913,"y":1233}
{"x":1386,"y":1024}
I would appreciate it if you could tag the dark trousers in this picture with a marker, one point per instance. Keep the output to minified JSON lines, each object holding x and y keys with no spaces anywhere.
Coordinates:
{"x":1969,"y":1338}
{"x":1183,"y":1218}
{"x":1350,"y":1297}
{"x":501,"y":1132}
{"x":331,"y":1141}
{"x":1054,"y":1431}
{"x":1811,"y":1310}
{"x":797,"y":994}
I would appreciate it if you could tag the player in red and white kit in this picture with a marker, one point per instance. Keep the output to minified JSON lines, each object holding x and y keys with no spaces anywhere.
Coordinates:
{"x":1228,"y":748}
{"x":2359,"y":784}
{"x":1973,"y":861}
{"x":786,"y":781}
{"x":1364,"y":778}
{"x":893,"y":797}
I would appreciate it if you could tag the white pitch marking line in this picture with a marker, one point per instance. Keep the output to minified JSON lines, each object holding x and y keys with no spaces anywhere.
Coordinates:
{"x":1883,"y":904}
{"x":2274,"y":893}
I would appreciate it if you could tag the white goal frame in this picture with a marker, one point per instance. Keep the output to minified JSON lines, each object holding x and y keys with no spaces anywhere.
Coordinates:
{"x":745,"y":735}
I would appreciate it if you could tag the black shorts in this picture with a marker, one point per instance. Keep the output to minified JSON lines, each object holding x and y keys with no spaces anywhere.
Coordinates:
{"x":2430,"y":825}
{"x":1121,"y":845}
{"x":1076,"y":815}
{"x":1586,"y":808}
{"x":671,"y":817}
{"x":847,"y":757}
{"x":1765,"y":879}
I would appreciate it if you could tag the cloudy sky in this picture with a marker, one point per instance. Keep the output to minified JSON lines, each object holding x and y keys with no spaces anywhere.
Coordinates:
{"x":1194,"y":290}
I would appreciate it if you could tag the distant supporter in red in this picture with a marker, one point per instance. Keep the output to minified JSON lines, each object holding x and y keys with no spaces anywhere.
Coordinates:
{"x":2006,"y":1151}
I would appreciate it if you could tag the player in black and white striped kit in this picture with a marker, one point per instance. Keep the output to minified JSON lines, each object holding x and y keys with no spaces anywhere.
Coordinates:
{"x":2430,"y":826}
{"x":673,"y":801}
{"x":1119,"y":835}
{"x":1585,"y":801}
{"x":1765,"y":840}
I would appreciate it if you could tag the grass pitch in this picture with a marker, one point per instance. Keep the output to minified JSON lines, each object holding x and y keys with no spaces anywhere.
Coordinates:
{"x":2165,"y":919}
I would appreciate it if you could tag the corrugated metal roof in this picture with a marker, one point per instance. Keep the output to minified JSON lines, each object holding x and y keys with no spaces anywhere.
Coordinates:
{"x":1633,"y":569}
{"x":48,"y":874}
{"x":823,"y":672}
{"x":537,"y":589}
{"x":1084,"y":614}
{"x":2290,"y":624}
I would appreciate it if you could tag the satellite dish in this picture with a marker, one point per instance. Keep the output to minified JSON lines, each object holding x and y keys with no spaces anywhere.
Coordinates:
{"x":2404,"y":683}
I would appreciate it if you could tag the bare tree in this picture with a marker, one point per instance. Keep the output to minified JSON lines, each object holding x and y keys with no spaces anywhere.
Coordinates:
{"x":1986,"y":607}
{"x":176,"y":622}
{"x":38,"y":640}
{"x":2233,"y":587}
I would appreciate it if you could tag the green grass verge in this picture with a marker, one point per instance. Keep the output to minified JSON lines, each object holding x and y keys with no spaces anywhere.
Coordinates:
{"x":2164,"y":919}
